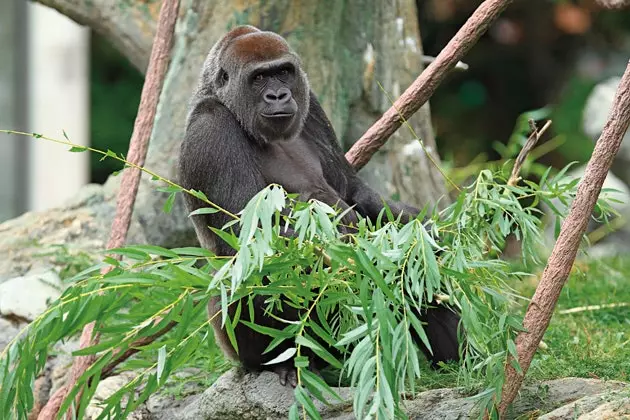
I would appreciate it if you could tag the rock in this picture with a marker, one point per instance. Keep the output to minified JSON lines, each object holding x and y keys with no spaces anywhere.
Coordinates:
{"x":595,"y":114}
{"x":28,"y":296}
{"x":160,"y":402}
{"x":587,"y":406}
{"x":238,"y":395}
{"x":440,"y":404}
{"x":551,"y":396}
{"x":8,"y":330}
{"x":105,"y":389}
{"x":614,"y":242}
{"x":611,"y":410}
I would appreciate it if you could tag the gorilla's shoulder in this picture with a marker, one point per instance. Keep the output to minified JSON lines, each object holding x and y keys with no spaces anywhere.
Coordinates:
{"x":209,"y":107}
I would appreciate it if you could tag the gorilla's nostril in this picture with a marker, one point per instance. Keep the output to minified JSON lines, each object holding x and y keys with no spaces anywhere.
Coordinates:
{"x":282,"y":96}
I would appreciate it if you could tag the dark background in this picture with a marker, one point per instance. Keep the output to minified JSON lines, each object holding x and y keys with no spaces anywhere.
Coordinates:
{"x":539,"y":54}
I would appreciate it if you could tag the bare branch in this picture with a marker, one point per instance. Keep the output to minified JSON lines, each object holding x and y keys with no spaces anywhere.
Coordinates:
{"x":138,"y":147}
{"x":423,"y":87}
{"x":532,"y":140}
{"x":121,"y":356}
{"x":565,"y":250}
{"x":130,"y":27}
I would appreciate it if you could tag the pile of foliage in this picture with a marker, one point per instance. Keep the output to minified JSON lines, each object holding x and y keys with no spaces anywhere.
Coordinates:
{"x":368,"y":280}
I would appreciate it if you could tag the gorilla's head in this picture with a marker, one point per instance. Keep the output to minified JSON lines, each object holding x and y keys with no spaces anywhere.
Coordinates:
{"x":258,"y":77}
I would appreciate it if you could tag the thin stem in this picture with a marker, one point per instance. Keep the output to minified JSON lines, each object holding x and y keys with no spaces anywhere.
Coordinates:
{"x":126,"y":162}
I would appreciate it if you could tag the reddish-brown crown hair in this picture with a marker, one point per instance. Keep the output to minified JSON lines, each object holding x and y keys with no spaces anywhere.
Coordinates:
{"x":250,"y":45}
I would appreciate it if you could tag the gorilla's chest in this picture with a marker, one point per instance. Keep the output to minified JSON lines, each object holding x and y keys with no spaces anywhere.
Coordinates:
{"x":294,"y":165}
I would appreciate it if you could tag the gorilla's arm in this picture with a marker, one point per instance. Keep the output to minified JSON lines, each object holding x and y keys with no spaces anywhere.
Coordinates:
{"x":342,"y":175}
{"x":217,"y":159}
{"x":369,"y":203}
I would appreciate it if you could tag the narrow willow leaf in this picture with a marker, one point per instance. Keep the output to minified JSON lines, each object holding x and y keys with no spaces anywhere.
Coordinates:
{"x":170,"y":189}
{"x":203,"y":210}
{"x":272,"y":332}
{"x":353,"y":335}
{"x":229,"y":238}
{"x":315,"y":382}
{"x":199,"y":194}
{"x":294,"y":413}
{"x":168,"y":204}
{"x":161,"y":362}
{"x":306,"y":402}
{"x":192,"y":251}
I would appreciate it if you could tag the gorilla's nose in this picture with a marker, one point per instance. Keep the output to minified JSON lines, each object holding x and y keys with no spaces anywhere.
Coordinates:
{"x":277,"y":97}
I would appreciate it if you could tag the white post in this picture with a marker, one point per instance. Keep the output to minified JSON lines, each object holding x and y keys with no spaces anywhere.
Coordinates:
{"x":58,"y":99}
{"x":12,"y":108}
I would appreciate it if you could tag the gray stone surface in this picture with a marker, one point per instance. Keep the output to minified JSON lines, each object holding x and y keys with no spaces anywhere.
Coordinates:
{"x":26,"y":297}
{"x":8,"y":330}
{"x":616,"y":409}
{"x":615,"y":242}
{"x":245,"y":396}
{"x":594,"y":117}
{"x":585,"y":406}
{"x":260,"y":396}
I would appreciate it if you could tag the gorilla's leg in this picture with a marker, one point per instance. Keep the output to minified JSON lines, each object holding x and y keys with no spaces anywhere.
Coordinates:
{"x":441,"y":325}
{"x":252,"y":344}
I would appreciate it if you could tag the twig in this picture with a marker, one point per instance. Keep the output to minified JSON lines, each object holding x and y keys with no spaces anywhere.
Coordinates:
{"x":427,"y":59}
{"x":606,"y":229}
{"x":423,"y":87}
{"x":562,"y":257}
{"x":593,"y":308}
{"x":138,"y":147}
{"x":134,"y":348}
{"x":529,"y":145}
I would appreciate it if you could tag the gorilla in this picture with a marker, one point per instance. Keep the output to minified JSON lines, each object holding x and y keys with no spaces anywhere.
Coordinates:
{"x":254,"y":121}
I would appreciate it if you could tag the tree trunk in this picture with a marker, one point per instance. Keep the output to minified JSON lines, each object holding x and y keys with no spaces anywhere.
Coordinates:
{"x":347,"y":48}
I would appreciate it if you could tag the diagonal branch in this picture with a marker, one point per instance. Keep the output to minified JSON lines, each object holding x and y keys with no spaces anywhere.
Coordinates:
{"x":564,"y":252}
{"x":138,"y":147}
{"x":424,"y":86}
{"x":129,"y":26}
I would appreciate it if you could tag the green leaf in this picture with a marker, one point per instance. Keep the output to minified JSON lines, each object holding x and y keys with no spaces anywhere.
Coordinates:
{"x":192,"y":251}
{"x":170,"y":189}
{"x":317,"y":386}
{"x":153,"y":249}
{"x":168,"y":204}
{"x":306,"y":402}
{"x":161,"y":362}
{"x":203,"y":210}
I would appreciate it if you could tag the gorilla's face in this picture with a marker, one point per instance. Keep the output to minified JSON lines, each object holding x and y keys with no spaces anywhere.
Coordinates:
{"x":261,"y":82}
{"x":271,"y":90}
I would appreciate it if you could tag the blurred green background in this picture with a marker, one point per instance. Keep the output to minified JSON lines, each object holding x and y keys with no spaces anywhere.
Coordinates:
{"x":540,"y":53}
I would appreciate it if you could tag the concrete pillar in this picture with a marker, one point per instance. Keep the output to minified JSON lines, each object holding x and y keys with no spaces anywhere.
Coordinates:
{"x":58,"y":99}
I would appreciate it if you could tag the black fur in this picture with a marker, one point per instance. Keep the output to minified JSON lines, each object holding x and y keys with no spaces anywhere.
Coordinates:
{"x":225,"y":155}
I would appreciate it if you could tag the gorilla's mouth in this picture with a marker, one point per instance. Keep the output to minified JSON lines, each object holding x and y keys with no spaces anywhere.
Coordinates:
{"x":278,"y":115}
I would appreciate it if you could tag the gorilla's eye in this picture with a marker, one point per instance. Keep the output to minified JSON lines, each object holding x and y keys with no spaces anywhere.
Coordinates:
{"x":259,"y":77}
{"x":225,"y":76}
{"x":284,"y":72}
